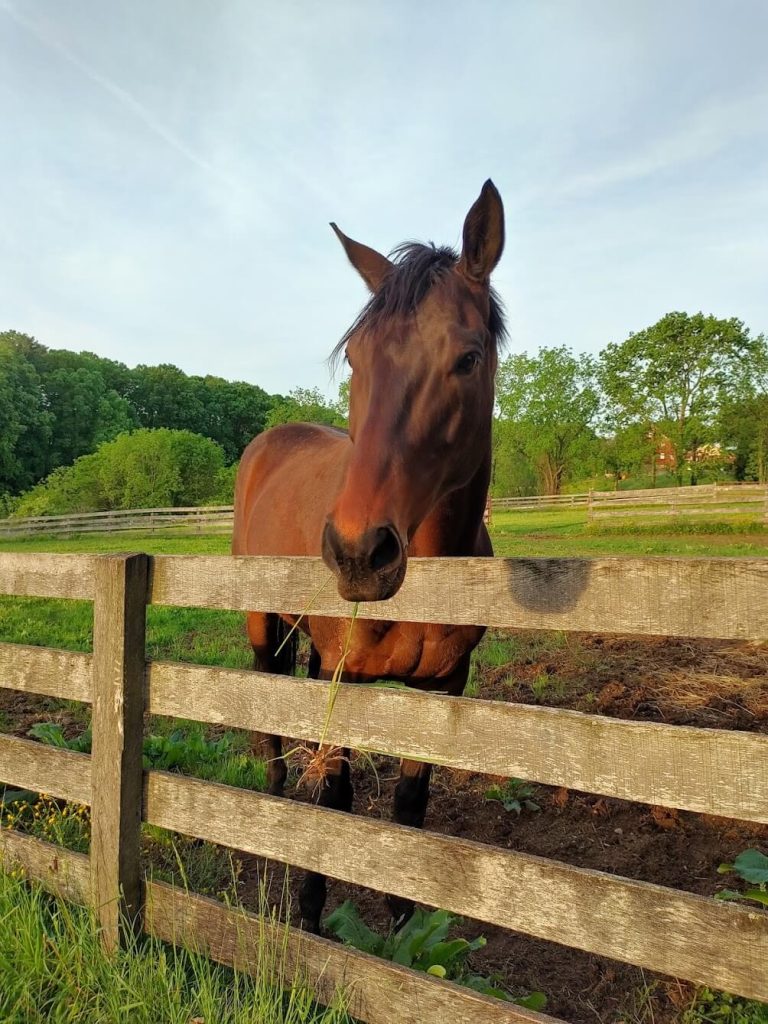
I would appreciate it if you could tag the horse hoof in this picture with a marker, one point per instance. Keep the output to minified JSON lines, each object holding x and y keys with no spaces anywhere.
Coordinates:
{"x":310,"y":926}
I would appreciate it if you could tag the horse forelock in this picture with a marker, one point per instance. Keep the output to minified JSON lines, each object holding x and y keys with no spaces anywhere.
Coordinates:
{"x":416,"y":268}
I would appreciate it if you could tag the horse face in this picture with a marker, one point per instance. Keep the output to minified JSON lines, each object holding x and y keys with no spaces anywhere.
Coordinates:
{"x":423,"y":359}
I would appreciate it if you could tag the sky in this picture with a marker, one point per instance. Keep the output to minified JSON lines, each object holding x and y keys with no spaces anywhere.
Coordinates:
{"x":170,"y":168}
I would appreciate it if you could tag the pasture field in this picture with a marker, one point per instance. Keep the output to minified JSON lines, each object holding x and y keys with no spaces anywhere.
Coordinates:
{"x":709,"y":683}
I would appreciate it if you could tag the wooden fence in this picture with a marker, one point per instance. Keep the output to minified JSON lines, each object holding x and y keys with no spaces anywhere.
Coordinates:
{"x":707,"y":499}
{"x":208,"y":519}
{"x":720,"y":772}
{"x":716,"y":498}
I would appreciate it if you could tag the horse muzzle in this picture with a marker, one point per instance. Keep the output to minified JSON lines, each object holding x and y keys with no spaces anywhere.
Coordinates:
{"x":370,"y":567}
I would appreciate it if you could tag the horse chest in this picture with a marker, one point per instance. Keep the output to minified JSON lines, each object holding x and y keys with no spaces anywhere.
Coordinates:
{"x":411,"y":652}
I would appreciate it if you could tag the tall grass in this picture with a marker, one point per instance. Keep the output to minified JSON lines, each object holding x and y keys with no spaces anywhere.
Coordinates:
{"x":52,"y":968}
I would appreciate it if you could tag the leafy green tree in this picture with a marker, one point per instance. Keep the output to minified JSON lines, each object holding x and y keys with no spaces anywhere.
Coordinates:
{"x":303,"y":405}
{"x":342,"y":403}
{"x":629,"y":450}
{"x":164,"y":396}
{"x":146,"y":469}
{"x":675,"y":374}
{"x":25,"y":423}
{"x":158,"y":468}
{"x":549,"y":402}
{"x":235,"y":412}
{"x":85,"y":413}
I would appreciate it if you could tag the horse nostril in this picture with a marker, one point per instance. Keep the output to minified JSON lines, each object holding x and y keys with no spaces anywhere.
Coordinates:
{"x":386,"y":548}
{"x":332,"y":547}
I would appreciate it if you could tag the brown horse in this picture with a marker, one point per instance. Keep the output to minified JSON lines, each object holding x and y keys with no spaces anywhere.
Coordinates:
{"x":409,"y":479}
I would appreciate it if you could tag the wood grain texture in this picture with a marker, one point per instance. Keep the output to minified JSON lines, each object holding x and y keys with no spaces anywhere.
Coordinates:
{"x":378,"y":991}
{"x":698,"y":597}
{"x":29,"y":765}
{"x":42,"y":575}
{"x":707,"y":770}
{"x":676,"y":933}
{"x":119,"y":617}
{"x":60,"y":871}
{"x":54,"y":673}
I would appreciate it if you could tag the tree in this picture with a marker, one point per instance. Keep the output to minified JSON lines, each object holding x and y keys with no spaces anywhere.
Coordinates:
{"x":549,"y":404}
{"x":25,"y":423}
{"x":235,"y":412}
{"x":164,"y":396}
{"x":628,"y":450}
{"x":85,"y":413}
{"x":303,"y":405}
{"x":675,"y":374}
{"x":145,"y":469}
{"x":58,"y":405}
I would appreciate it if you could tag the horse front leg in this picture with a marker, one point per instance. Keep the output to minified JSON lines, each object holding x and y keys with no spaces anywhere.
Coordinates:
{"x":412,"y":790}
{"x":410,"y":808}
{"x":336,"y":793}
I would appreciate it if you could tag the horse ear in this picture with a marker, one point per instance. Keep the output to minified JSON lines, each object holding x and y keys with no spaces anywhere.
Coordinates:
{"x":370,"y":265}
{"x":483,"y":239}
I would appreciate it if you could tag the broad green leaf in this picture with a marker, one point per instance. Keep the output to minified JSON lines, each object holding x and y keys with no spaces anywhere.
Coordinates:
{"x":449,"y":954}
{"x":483,"y":985}
{"x":13,"y":796}
{"x":345,"y":922}
{"x":534,"y":1001}
{"x":752,"y":866}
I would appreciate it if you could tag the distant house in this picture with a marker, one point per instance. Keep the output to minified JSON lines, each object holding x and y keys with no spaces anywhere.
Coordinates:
{"x":703,"y":453}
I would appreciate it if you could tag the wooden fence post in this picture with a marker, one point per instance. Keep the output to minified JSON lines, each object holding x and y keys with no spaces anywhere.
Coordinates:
{"x":119,"y":614}
{"x":590,"y":506}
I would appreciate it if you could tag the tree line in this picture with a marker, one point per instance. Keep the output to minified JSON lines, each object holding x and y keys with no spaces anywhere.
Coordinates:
{"x":686,"y":398}
{"x":57,"y":406}
{"x":684,"y":401}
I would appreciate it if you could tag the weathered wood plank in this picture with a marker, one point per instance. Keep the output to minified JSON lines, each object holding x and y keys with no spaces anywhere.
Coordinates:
{"x":707,"y":770}
{"x":29,"y":765}
{"x":700,"y":597}
{"x":702,"y":491}
{"x":680,"y":510}
{"x":53,"y":673}
{"x":61,"y":871}
{"x":119,"y":618}
{"x":43,"y":575}
{"x":636,"y":922}
{"x":378,"y":991}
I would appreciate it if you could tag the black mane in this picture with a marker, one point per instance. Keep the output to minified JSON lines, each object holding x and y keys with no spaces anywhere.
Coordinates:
{"x":416,"y":267}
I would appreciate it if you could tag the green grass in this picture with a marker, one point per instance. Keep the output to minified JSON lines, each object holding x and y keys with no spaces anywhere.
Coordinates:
{"x":168,"y":543}
{"x":566,"y":533}
{"x":52,"y":968}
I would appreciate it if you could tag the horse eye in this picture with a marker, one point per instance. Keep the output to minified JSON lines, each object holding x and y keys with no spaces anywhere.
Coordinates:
{"x":467,"y":362}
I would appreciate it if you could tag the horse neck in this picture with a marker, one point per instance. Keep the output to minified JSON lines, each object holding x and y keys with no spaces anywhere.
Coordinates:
{"x":454,"y":526}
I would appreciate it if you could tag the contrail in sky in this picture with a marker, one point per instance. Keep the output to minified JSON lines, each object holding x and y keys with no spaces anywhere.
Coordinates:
{"x":117,"y":92}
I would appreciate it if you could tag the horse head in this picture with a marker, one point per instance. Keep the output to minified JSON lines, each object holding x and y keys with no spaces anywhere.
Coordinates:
{"x":423,"y":355}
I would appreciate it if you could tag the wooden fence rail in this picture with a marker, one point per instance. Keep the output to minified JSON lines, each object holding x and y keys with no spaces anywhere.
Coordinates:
{"x":710,"y":499}
{"x":713,"y":771}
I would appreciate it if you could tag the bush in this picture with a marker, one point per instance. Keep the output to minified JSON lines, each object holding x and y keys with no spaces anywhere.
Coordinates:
{"x":146,"y":469}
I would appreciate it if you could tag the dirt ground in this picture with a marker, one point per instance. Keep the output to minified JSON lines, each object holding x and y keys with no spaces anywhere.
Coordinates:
{"x":711,"y":684}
